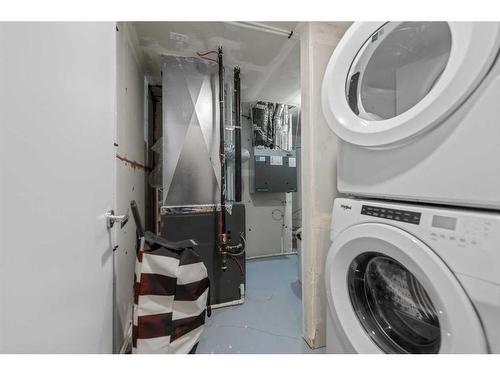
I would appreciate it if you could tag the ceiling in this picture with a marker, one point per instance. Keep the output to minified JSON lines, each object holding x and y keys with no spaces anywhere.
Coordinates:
{"x":269,"y":63}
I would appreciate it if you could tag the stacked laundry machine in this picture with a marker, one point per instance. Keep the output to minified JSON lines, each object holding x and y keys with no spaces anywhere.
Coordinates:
{"x":414,"y":265}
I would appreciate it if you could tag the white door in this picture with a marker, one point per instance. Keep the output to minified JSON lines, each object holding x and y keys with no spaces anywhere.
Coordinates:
{"x":57,"y":119}
{"x":387,"y":82}
{"x":393,"y":294}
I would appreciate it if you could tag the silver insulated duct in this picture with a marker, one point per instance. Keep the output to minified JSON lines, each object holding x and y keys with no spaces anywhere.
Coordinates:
{"x":191,"y":166}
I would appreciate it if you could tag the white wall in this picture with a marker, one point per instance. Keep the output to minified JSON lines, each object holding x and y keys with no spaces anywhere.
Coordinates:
{"x":130,"y":181}
{"x":319,"y":186}
{"x":263,"y":232}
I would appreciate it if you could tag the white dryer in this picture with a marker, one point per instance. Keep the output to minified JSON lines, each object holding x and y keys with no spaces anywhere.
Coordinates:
{"x":407,"y":278}
{"x":416,"y":107}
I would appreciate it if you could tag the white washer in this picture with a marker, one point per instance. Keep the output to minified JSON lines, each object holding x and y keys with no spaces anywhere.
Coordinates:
{"x":416,"y":107}
{"x":407,"y":278}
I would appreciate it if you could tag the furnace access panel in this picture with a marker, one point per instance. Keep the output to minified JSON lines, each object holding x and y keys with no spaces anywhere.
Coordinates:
{"x":274,"y":171}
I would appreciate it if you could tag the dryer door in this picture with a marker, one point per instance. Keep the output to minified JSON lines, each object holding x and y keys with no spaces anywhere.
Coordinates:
{"x":393,"y":294}
{"x":387,"y":82}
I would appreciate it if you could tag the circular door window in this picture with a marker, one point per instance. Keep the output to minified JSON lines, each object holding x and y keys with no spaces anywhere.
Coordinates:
{"x":392,"y":306}
{"x":397,"y":67}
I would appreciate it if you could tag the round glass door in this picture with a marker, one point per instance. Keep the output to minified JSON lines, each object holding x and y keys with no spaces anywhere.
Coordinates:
{"x":390,"y":293}
{"x":392,"y":306}
{"x":397,"y":67}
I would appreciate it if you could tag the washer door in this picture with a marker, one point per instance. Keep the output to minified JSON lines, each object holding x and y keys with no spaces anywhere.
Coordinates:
{"x":393,"y":294}
{"x":387,"y":82}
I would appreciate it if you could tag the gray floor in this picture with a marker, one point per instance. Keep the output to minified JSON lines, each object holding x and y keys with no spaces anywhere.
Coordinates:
{"x":269,"y":321}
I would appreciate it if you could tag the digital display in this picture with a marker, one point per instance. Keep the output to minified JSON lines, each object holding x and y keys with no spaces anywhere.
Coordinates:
{"x":392,"y":214}
{"x":444,"y":222}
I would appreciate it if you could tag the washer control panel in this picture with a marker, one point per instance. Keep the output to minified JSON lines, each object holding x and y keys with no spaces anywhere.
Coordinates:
{"x":465,"y":232}
{"x":411,"y":217}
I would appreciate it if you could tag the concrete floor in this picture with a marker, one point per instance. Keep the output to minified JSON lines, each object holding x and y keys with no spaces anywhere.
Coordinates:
{"x":269,"y":321}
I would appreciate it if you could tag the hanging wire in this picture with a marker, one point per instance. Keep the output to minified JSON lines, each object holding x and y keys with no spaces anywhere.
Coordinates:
{"x":239,"y":264}
{"x":204,"y":54}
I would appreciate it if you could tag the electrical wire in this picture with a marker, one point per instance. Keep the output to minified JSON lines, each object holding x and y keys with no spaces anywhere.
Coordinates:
{"x":209,"y":59}
{"x":241,"y":246}
{"x":202,"y":56}
{"x":289,"y":152}
{"x":206,"y":53}
{"x":239,"y":265}
{"x":235,"y":254}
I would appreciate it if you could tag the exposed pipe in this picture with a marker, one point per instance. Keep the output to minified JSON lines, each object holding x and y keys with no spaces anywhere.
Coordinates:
{"x":222,"y":217}
{"x":239,"y":249}
{"x":237,"y":135}
{"x":264,"y":28}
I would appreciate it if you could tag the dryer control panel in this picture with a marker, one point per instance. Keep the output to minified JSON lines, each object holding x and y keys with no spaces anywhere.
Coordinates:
{"x":392,"y":214}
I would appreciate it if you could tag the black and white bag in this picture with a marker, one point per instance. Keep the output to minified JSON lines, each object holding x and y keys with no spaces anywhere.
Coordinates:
{"x":171,"y":296}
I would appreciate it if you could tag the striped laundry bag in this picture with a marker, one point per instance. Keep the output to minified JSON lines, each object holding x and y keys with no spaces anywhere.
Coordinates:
{"x":171,"y":296}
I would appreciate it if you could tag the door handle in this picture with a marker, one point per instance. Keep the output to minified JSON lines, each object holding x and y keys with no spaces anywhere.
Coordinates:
{"x":111,"y":219}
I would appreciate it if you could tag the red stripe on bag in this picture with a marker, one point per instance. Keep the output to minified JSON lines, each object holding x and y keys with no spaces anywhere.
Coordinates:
{"x":151,"y":326}
{"x":158,"y":285}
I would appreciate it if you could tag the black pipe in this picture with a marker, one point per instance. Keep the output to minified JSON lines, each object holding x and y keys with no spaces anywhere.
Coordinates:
{"x":237,"y":135}
{"x":222,"y":150}
{"x":222,"y":156}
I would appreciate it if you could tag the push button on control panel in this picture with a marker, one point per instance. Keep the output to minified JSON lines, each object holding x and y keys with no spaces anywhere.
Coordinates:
{"x":388,"y":213}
